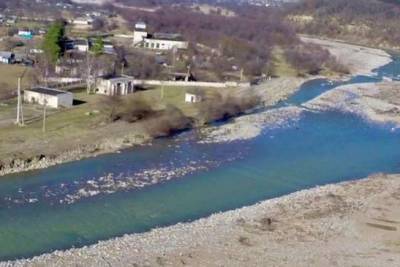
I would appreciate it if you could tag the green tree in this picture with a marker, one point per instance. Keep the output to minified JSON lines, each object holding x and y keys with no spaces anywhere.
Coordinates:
{"x":98,"y":46}
{"x":52,"y":43}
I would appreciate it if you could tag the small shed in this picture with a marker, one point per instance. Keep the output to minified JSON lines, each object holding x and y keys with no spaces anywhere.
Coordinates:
{"x":194,"y":96}
{"x":7,"y":57}
{"x":120,"y":85}
{"x":49,"y":96}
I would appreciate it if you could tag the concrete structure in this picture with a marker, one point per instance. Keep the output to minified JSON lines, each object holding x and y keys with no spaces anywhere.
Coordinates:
{"x":48,"y":96}
{"x":193,"y":97}
{"x":7,"y":57}
{"x":157,"y":41}
{"x":140,"y":33}
{"x":116,"y":86}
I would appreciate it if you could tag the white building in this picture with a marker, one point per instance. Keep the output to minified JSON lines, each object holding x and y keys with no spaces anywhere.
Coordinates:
{"x":193,"y":97}
{"x":140,"y":33}
{"x":48,"y":96}
{"x":7,"y":57}
{"x":157,"y":41}
{"x":82,"y":23}
{"x":81,"y":45}
{"x":116,"y":86}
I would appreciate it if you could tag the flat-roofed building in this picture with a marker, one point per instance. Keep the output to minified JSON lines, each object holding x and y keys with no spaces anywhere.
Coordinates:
{"x":7,"y":57}
{"x":122,"y":85}
{"x":157,"y":41}
{"x":50,"y":97}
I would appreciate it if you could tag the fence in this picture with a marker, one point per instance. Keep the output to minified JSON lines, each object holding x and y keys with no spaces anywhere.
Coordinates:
{"x":194,"y":84}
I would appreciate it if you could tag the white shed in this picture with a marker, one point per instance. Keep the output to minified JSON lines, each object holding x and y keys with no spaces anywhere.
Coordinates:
{"x":51,"y":97}
{"x":122,"y":85}
{"x":193,"y":97}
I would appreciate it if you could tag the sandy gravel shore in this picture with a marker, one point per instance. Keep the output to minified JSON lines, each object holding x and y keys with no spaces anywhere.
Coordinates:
{"x":360,"y":60}
{"x":251,"y":125}
{"x":349,"y":224}
{"x":377,"y":102}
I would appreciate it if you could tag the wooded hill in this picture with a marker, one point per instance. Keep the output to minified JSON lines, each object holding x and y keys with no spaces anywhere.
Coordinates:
{"x":370,"y":22}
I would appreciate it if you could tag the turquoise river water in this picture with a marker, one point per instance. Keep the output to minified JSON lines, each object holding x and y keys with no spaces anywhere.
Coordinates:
{"x":79,"y":203}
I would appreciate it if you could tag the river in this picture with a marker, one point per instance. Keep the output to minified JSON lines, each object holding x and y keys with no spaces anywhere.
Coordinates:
{"x":79,"y":203}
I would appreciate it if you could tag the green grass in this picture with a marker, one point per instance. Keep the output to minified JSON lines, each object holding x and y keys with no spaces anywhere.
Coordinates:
{"x":81,"y":124}
{"x":9,"y":77}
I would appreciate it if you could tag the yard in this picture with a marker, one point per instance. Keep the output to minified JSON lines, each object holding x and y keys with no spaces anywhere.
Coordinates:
{"x":85,"y":123}
{"x":9,"y":79}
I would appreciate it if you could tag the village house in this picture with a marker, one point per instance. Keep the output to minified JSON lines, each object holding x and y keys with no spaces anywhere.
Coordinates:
{"x":108,"y":47}
{"x":48,"y":96}
{"x":81,"y":45}
{"x":82,"y":23}
{"x":114,"y":86}
{"x":7,"y":57}
{"x":157,"y":41}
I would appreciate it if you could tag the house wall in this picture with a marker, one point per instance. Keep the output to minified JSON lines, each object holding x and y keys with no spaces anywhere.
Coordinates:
{"x":37,"y":98}
{"x":138,"y":37}
{"x":82,"y":48}
{"x":103,"y":88}
{"x":64,"y":100}
{"x":4,"y":60}
{"x":191,"y":98}
{"x":164,"y":44}
{"x":106,"y":87}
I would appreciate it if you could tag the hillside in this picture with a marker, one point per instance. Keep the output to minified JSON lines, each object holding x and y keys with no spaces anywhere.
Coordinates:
{"x":369,"y":22}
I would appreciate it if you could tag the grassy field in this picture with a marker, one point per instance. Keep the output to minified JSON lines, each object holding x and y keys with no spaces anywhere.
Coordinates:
{"x":9,"y":76}
{"x":85,"y":123}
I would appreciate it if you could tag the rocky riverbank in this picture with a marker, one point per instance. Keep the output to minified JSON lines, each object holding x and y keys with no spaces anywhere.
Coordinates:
{"x":250,"y":126}
{"x":347,"y":224}
{"x":376,"y":102}
{"x":15,"y":165}
{"x":359,"y":59}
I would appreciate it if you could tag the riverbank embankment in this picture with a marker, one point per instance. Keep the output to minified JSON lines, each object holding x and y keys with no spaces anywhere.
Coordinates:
{"x":347,"y":224}
{"x":375,"y":102}
{"x":360,"y":60}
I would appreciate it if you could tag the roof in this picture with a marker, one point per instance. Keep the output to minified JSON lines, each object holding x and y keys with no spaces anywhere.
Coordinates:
{"x":119,"y":79}
{"x":47,"y":91}
{"x":80,"y":42}
{"x":140,"y":25}
{"x":5,"y":54}
{"x":167,"y":36}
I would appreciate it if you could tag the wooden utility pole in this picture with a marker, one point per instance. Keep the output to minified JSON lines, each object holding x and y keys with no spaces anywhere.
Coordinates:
{"x":44,"y":116}
{"x":20,"y":115}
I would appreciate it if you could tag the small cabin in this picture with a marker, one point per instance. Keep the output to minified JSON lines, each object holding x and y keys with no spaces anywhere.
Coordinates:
{"x":193,"y":97}
{"x":50,"y":97}
{"x":122,"y":85}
